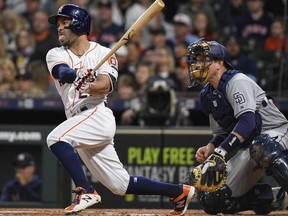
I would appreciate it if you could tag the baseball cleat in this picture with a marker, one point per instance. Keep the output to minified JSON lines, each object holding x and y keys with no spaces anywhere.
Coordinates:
{"x":181,"y":202}
{"x":82,"y":200}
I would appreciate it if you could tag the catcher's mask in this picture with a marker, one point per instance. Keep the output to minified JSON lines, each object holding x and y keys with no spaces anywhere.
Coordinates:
{"x":200,"y":56}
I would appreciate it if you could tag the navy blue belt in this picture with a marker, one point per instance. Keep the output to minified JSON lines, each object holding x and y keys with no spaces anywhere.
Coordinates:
{"x":86,"y":108}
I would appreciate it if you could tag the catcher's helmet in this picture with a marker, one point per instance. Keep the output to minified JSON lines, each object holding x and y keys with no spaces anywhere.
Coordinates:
{"x":208,"y":49}
{"x":81,"y":20}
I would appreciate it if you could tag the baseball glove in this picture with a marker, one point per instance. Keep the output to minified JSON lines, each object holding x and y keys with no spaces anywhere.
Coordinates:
{"x":209,"y":176}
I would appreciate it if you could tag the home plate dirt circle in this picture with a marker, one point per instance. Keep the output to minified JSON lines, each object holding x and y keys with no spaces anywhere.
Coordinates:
{"x":113,"y":212}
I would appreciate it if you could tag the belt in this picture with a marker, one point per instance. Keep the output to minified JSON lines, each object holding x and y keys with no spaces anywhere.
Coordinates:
{"x":89,"y":106}
{"x":264,"y":102}
{"x":84,"y":108}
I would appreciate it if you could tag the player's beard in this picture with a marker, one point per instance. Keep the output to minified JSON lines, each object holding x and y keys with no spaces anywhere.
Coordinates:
{"x":68,"y":41}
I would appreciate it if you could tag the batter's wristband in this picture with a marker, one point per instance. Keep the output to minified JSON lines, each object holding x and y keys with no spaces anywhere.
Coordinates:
{"x":217,"y":140}
{"x":230,"y":143}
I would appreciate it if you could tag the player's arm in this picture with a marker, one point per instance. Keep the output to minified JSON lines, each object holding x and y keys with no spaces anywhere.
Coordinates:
{"x":58,"y":66}
{"x":105,"y":79}
{"x":102,"y":85}
{"x":64,"y":73}
{"x":242,"y":99}
{"x":219,"y":136}
{"x":242,"y":130}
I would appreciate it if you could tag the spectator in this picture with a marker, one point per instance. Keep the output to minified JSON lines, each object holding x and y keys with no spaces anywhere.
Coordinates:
{"x":2,"y":8}
{"x":274,"y":43}
{"x":82,"y":3}
{"x":180,"y":52}
{"x":135,"y":11}
{"x":276,"y":7}
{"x":3,"y":52}
{"x":182,"y":30}
{"x":45,"y":38}
{"x":254,"y":26}
{"x":203,"y":27}
{"x":192,"y":7}
{"x":134,"y":55}
{"x":7,"y":77}
{"x":19,"y":6}
{"x":25,"y":45}
{"x":144,"y":72}
{"x":241,"y":61}
{"x":122,"y":57}
{"x":119,"y":9}
{"x":26,"y":186}
{"x":158,"y":38}
{"x":229,"y":15}
{"x":43,"y":82}
{"x":12,"y":23}
{"x":126,"y":87}
{"x":26,"y":86}
{"x":275,"y":53}
{"x":109,"y":32}
{"x":126,"y":90}
{"x":32,"y":6}
{"x":165,"y":67}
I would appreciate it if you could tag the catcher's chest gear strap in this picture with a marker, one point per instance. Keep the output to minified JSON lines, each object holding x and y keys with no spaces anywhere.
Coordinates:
{"x":214,"y":101}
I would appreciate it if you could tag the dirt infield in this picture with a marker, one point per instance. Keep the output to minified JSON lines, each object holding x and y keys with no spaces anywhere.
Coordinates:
{"x":113,"y":212}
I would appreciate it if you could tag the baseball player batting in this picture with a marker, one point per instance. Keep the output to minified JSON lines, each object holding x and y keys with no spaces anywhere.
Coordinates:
{"x":90,"y":126}
{"x":248,"y":130}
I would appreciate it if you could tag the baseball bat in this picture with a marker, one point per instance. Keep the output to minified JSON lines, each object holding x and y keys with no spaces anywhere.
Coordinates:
{"x":149,"y":14}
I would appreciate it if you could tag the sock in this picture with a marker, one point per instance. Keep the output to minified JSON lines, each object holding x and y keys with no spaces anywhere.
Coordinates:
{"x":144,"y":186}
{"x":71,"y":162}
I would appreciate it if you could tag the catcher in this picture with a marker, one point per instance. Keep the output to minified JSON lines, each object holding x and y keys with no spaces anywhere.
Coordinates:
{"x":248,"y":131}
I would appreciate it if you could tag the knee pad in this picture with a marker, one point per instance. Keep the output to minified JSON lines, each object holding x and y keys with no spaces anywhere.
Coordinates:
{"x":265,"y":150}
{"x":216,"y":202}
{"x":270,"y":155}
{"x":279,"y":170}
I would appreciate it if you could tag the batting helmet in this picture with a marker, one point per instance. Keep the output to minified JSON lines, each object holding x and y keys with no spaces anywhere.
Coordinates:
{"x":205,"y":48}
{"x":81,"y":20}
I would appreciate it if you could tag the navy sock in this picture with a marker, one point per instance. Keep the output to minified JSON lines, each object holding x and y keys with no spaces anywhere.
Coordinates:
{"x":144,"y":186}
{"x":71,"y":162}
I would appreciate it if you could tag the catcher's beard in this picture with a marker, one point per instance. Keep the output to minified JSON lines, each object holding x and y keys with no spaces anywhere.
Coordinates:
{"x":200,"y":74}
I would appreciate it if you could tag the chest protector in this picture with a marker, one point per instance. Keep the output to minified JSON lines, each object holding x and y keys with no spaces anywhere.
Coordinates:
{"x":213,"y":101}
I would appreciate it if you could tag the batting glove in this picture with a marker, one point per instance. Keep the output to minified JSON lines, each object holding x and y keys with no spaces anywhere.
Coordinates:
{"x":83,"y":76}
{"x":85,"y":88}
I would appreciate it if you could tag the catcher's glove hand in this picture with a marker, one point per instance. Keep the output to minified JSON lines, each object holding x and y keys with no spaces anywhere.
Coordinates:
{"x":211,"y":175}
{"x":84,"y":76}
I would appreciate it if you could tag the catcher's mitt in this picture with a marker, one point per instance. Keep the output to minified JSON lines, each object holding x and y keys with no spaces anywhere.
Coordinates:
{"x":209,"y":176}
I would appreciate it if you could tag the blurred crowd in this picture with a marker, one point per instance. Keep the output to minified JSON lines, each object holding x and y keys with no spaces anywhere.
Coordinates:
{"x":153,"y":61}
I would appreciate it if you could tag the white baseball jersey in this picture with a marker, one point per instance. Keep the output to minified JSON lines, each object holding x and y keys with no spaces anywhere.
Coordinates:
{"x":91,"y":130}
{"x":72,"y":99}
